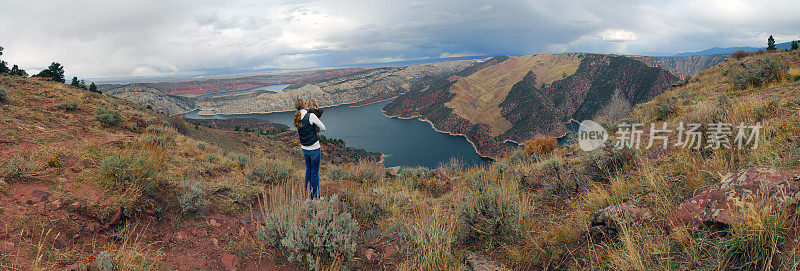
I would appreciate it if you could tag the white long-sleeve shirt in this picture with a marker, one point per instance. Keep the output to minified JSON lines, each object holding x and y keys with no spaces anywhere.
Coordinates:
{"x":314,"y":120}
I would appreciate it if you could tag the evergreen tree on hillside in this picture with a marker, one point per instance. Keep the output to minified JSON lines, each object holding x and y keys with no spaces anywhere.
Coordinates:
{"x":93,"y":88}
{"x":770,"y":44}
{"x":794,"y":45}
{"x":78,"y":84}
{"x":16,"y":71}
{"x":54,"y":71}
{"x":4,"y":67}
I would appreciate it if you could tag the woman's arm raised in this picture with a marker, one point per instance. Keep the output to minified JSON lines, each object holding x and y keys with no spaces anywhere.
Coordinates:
{"x":314,"y":120}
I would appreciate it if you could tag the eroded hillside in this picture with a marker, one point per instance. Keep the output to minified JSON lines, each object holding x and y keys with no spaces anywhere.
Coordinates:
{"x":529,"y":95}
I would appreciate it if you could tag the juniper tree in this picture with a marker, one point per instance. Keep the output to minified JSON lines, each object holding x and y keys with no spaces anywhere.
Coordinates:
{"x":16,"y":71}
{"x":771,"y":44}
{"x":55,"y":71}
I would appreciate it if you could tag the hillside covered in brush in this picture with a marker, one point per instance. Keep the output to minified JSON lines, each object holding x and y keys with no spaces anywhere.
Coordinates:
{"x":516,"y":98}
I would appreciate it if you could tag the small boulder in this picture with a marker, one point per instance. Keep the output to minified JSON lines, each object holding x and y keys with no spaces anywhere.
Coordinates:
{"x":720,"y":204}
{"x":476,"y":262}
{"x":181,"y":236}
{"x":606,"y":222}
{"x":93,"y":227}
{"x":393,"y":171}
{"x":371,"y":255}
{"x":229,"y":261}
{"x":7,"y":246}
{"x":41,"y":195}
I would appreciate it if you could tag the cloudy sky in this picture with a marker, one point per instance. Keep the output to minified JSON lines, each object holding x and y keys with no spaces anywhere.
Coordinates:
{"x":107,"y":38}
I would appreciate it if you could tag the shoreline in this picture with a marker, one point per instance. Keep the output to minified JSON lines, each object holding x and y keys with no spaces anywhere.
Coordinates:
{"x":366,"y":104}
{"x":268,"y":112}
{"x":443,"y":132}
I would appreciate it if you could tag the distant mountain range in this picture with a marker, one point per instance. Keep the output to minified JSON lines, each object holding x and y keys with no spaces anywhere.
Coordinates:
{"x":730,"y":50}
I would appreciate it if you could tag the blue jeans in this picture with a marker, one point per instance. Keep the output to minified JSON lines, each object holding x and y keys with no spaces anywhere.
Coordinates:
{"x":312,"y":158}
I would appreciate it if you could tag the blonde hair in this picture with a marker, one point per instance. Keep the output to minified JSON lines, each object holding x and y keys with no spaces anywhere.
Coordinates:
{"x":299,"y":105}
{"x":312,"y":104}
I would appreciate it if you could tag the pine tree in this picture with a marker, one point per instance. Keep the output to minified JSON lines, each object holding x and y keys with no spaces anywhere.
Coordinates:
{"x":75,"y":82}
{"x":4,"y":67}
{"x":794,"y":45}
{"x":93,"y":88}
{"x":771,"y":44}
{"x":55,"y":71}
{"x":16,"y":71}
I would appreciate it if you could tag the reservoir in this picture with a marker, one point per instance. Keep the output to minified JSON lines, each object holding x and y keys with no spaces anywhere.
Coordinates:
{"x":405,"y":142}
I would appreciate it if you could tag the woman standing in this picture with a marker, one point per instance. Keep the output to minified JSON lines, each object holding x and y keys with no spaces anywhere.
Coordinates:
{"x":308,"y":125}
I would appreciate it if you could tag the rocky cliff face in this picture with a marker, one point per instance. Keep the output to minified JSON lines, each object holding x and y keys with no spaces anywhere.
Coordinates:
{"x":683,"y":66}
{"x":158,"y":100}
{"x":488,"y":112}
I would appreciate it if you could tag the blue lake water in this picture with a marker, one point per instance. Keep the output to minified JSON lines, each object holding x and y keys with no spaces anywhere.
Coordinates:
{"x":406,"y":142}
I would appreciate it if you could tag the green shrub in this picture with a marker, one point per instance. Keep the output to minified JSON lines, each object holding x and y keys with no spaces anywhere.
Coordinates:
{"x":108,"y":117}
{"x":271,"y":172}
{"x":559,"y":178}
{"x":19,"y":168}
{"x":319,"y":232}
{"x":488,"y":214}
{"x":415,"y":177}
{"x":663,"y":108}
{"x":519,"y":156}
{"x":240,"y":159}
{"x":366,"y":209}
{"x":131,"y":170}
{"x":68,"y":106}
{"x":194,"y":198}
{"x":601,"y":165}
{"x":202,"y":146}
{"x":3,"y":96}
{"x":758,"y":71}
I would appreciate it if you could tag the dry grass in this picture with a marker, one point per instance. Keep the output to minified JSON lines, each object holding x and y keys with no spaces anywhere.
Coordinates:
{"x":365,"y":171}
{"x":131,"y":253}
{"x":431,"y":233}
{"x":759,"y":235}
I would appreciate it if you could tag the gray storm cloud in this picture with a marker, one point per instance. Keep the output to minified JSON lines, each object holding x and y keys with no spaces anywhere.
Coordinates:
{"x":100,"y":39}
